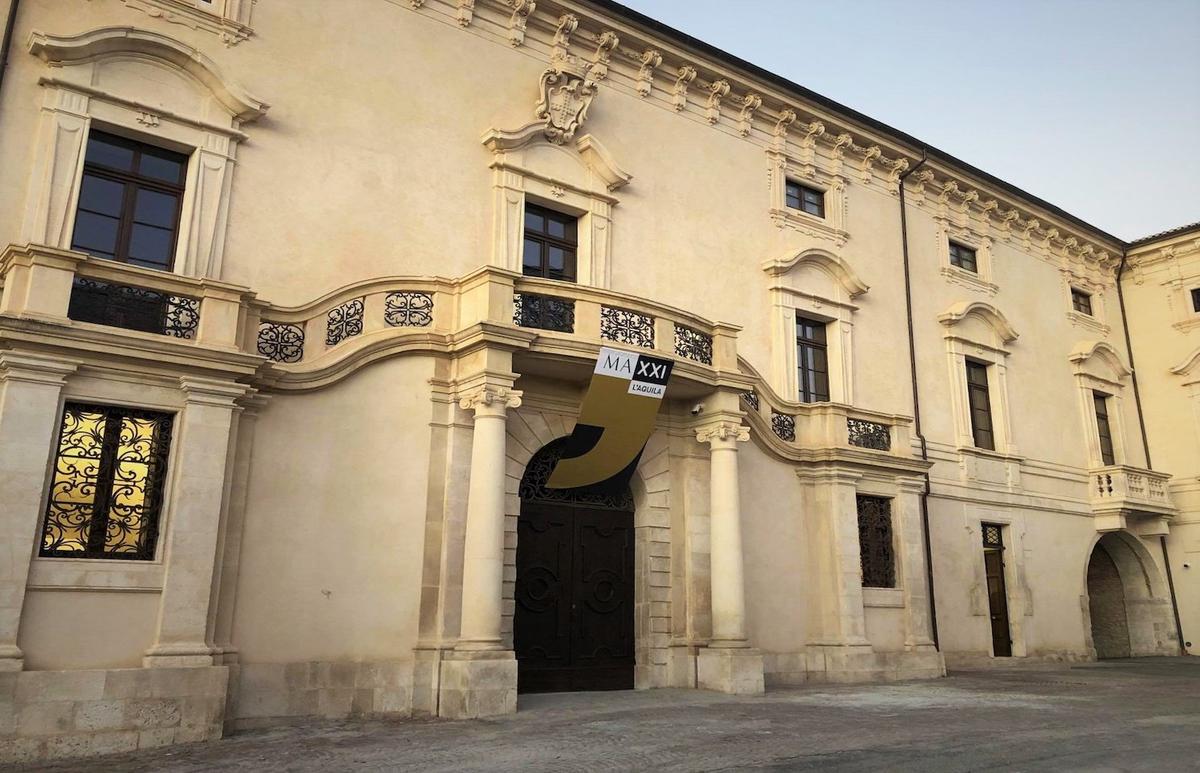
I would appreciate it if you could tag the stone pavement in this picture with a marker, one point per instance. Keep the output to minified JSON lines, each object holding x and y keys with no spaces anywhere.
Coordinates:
{"x":1116,"y":715}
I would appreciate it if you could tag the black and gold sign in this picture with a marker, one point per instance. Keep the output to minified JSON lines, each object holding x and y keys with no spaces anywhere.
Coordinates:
{"x":615,"y":421}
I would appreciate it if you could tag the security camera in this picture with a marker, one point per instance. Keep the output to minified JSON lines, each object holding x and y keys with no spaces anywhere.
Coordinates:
{"x":697,"y":409}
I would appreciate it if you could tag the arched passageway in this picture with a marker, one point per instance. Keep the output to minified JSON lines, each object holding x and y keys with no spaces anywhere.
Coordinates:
{"x":1128,"y":609}
{"x":573,"y":622}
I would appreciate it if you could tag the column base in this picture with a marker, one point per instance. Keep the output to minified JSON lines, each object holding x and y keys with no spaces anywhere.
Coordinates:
{"x":11,"y":658}
{"x":179,"y":656}
{"x":736,"y":671}
{"x":475,"y":684}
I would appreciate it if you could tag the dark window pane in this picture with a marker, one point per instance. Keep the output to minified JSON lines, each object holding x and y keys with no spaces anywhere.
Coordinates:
{"x":556,"y":228}
{"x":534,"y":221}
{"x":104,"y":150}
{"x":150,"y":245}
{"x":95,"y":233}
{"x":1196,"y":299}
{"x":533,"y":255}
{"x":154,"y":208}
{"x":557,"y":259}
{"x":161,"y":166}
{"x":97,"y":194}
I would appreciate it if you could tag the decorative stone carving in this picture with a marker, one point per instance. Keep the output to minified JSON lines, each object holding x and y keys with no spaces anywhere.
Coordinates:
{"x":496,"y":398}
{"x":651,"y":59}
{"x":522,"y":10}
{"x":605,"y":44}
{"x":686,"y":75}
{"x":868,"y":162}
{"x":725,"y":430}
{"x":717,"y":90}
{"x":780,"y":132}
{"x":567,"y":24}
{"x":750,"y":104}
{"x":899,"y":167}
{"x":466,"y":12}
{"x":563,"y":103}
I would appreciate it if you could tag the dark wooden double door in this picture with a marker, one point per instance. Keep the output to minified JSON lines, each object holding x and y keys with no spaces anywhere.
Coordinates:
{"x":573,"y":622}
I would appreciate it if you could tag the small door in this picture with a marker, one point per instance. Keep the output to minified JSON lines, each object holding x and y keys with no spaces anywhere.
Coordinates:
{"x":993,"y":563}
{"x":573,"y":622}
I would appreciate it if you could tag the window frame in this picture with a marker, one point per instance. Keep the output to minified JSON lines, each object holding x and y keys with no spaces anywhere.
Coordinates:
{"x":1081,"y":302}
{"x":883,"y":549}
{"x":155,"y":490}
{"x":980,"y":387}
{"x":132,"y":182}
{"x":1195,"y":294}
{"x":1104,"y":432}
{"x":568,"y":243}
{"x":807,"y":391}
{"x":801,"y":197}
{"x":957,"y":251}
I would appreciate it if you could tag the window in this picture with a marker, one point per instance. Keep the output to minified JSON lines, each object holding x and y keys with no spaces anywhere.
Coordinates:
{"x":551,"y":244}
{"x":805,"y":199}
{"x":812,"y":360}
{"x":979,"y":403}
{"x":107,"y":487}
{"x":129,"y":201}
{"x":875,"y":542}
{"x":1196,"y":299}
{"x":963,"y":257}
{"x":1104,"y":428}
{"x":1081,"y":301}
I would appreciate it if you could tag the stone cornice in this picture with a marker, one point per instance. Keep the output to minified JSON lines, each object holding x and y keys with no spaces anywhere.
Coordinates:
{"x":656,"y":69}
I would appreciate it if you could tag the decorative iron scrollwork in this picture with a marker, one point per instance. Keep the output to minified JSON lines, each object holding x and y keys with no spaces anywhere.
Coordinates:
{"x":281,"y":342}
{"x":134,"y":308}
{"x":751,"y":399}
{"x":693,"y":345}
{"x":408,"y":309}
{"x":537,"y":472}
{"x":344,"y":322}
{"x":993,"y":536}
{"x":868,"y":434}
{"x":626,"y":327}
{"x":106,"y":493}
{"x":784,"y":426}
{"x":875,"y":542}
{"x":544,"y":312}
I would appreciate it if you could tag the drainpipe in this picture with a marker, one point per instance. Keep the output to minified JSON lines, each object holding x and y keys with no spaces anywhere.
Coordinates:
{"x":9,"y":25}
{"x":1137,"y":399}
{"x":916,"y":398}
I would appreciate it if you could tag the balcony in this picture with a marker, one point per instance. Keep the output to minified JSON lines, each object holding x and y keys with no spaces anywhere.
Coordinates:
{"x":1122,"y":496}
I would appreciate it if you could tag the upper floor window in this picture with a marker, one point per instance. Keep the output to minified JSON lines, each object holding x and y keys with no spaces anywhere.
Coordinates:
{"x":805,"y":199}
{"x":1081,"y":301}
{"x":875,"y":543}
{"x":1196,"y":299}
{"x":107,"y":487}
{"x":551,"y":244}
{"x":963,"y":257}
{"x":979,"y":402}
{"x":129,"y":200}
{"x":812,"y":360}
{"x":1100,"y":400}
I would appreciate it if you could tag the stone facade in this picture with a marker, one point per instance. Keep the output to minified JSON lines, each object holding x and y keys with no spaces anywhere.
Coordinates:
{"x":357,"y":384}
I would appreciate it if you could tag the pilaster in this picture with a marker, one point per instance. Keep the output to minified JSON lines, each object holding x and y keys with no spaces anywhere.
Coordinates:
{"x":30,"y":389}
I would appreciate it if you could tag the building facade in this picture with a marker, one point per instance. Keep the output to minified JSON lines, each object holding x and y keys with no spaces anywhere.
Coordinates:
{"x":298,"y":300}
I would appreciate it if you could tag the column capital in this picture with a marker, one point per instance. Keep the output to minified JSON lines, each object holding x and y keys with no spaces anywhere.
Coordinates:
{"x":490,"y":400}
{"x":204,"y":391}
{"x":723,"y":433}
{"x":16,"y":366}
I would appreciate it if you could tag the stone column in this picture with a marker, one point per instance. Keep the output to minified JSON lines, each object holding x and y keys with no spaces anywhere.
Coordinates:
{"x":193,"y":524}
{"x":479,"y":678}
{"x":728,"y":665}
{"x":29,"y":406}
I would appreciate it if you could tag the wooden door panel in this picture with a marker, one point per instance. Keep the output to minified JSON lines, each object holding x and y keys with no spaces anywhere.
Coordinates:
{"x":542,"y":622}
{"x":993,"y":563}
{"x":602,"y":625}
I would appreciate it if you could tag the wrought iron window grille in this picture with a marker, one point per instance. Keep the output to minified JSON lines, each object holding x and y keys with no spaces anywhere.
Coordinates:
{"x":408,"y":309}
{"x":544,"y":312}
{"x":993,"y":536}
{"x":345,"y":321}
{"x":626,"y":327}
{"x":281,"y":342}
{"x":751,"y":399}
{"x":134,"y":308}
{"x":869,"y":434}
{"x":875,"y":542}
{"x":106,"y":494}
{"x":693,"y":345}
{"x":784,"y":426}
{"x":537,"y":472}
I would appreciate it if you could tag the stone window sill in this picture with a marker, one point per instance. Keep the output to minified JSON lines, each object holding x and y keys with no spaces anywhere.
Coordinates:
{"x":95,"y":574}
{"x":1079,"y":319}
{"x":231,"y":31}
{"x":969,"y":279}
{"x":890,"y":598}
{"x":809,"y":224}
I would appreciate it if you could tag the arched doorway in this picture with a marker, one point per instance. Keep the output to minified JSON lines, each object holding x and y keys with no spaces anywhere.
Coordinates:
{"x":573,"y":622}
{"x":1128,"y":605}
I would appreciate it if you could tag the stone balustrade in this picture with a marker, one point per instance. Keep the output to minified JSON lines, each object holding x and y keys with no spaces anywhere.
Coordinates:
{"x":1119,"y":492}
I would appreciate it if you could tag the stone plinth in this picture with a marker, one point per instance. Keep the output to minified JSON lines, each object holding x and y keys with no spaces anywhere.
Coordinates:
{"x":737,"y":671}
{"x":478,"y":684}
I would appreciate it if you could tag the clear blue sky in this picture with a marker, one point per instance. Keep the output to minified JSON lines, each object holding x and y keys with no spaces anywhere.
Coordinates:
{"x":1093,"y":105}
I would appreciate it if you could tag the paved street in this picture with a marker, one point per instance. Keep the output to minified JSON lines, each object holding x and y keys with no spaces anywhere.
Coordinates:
{"x":1116,"y":715}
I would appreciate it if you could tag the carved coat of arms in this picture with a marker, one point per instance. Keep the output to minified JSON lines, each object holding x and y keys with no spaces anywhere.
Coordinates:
{"x":563,"y":103}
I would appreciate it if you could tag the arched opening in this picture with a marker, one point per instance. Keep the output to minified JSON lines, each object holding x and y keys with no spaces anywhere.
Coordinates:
{"x":1129,"y":613}
{"x":573,"y":621}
